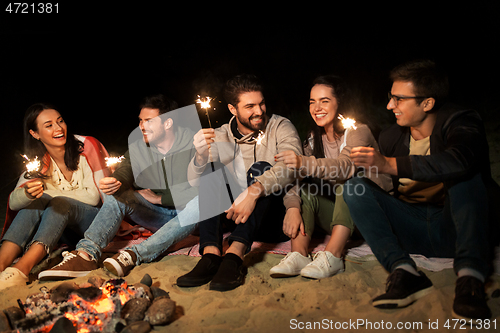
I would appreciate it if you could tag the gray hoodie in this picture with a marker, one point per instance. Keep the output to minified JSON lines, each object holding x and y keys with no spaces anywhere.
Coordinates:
{"x":279,"y":135}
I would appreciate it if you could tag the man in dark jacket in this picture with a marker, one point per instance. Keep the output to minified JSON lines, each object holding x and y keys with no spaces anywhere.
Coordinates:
{"x":150,"y":188}
{"x":438,"y":157}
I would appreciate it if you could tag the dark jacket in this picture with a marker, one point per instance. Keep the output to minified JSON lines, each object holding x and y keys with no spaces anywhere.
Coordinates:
{"x":146,"y":167}
{"x":458,"y":148}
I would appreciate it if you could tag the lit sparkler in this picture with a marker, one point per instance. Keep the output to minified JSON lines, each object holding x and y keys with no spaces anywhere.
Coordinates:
{"x":112,"y":161}
{"x":260,"y":137}
{"x":205,"y":104}
{"x":32,"y":166}
{"x":348,"y":123}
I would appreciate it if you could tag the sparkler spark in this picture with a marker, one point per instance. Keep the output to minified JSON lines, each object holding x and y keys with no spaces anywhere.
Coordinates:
{"x":111,"y":161}
{"x":205,"y":104}
{"x":32,"y":166}
{"x":260,"y":137}
{"x":348,"y":123}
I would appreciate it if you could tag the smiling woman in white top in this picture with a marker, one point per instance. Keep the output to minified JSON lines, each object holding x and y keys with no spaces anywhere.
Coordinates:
{"x":61,"y":194}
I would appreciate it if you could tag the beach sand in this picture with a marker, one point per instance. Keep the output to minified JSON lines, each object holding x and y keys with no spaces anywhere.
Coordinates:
{"x":264,"y":304}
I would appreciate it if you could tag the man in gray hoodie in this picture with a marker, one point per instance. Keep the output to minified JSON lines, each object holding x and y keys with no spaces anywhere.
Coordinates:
{"x":257,"y":213}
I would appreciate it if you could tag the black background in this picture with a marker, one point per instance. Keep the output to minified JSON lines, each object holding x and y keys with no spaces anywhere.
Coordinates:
{"x":96,"y":64}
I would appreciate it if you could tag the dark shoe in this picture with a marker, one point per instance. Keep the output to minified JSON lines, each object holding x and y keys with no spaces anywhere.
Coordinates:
{"x":202,"y":273}
{"x":470,"y":299}
{"x":121,"y":263}
{"x":230,"y":275}
{"x":72,"y":266}
{"x":402,"y":289}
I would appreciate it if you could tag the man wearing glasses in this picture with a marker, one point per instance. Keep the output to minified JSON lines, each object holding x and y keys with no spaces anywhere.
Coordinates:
{"x":443,"y":198}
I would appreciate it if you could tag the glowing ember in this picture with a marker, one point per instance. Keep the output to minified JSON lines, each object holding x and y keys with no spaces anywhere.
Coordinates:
{"x":111,"y":161}
{"x":32,"y":166}
{"x":348,"y":123}
{"x":260,"y":137}
{"x":86,"y":314}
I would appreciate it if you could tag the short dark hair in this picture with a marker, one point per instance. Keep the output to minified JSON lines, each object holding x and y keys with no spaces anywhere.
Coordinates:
{"x":160,"y":102}
{"x":428,"y":79}
{"x":238,"y":85}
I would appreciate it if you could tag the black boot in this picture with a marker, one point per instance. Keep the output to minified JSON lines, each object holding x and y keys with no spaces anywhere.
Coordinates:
{"x":202,"y":273}
{"x":230,"y":275}
{"x":470,"y":299}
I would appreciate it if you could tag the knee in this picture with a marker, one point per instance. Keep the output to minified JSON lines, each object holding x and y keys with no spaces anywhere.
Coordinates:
{"x":354,"y":190}
{"x":308,"y":197}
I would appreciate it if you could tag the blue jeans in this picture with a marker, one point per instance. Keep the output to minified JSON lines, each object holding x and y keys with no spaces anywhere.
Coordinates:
{"x":45,"y":220}
{"x":264,"y":224}
{"x":394,"y":228}
{"x":164,"y":222}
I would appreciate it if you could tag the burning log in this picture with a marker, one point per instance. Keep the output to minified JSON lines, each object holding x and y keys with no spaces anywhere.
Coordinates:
{"x":63,"y":325}
{"x":89,"y":294}
{"x":96,"y":306}
{"x":61,"y":292}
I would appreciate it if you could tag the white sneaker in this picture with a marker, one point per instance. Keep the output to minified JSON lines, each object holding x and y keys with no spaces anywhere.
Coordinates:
{"x":290,"y":265}
{"x":11,"y":277}
{"x":323,"y":265}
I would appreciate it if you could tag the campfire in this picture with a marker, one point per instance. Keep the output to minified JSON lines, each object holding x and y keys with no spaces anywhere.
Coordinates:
{"x":97,"y":306}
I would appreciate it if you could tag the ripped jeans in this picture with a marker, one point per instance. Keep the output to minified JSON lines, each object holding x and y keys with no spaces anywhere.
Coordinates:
{"x":45,"y":219}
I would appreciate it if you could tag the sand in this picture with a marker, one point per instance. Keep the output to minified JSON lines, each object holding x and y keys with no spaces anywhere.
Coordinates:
{"x":264,"y":304}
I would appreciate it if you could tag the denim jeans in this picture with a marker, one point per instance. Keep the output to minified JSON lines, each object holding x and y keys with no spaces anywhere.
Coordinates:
{"x":45,"y":220}
{"x":164,"y":222}
{"x":394,"y":228}
{"x":264,"y":224}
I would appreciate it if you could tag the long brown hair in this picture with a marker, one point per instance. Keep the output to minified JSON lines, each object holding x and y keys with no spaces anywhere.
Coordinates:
{"x":35,"y":148}
{"x":341,"y":94}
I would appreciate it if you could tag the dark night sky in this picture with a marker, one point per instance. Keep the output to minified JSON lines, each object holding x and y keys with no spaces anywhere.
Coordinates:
{"x":96,"y":66}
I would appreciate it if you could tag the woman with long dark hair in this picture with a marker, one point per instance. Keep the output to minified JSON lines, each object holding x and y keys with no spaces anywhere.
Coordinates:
{"x":318,"y":199}
{"x":61,"y":194}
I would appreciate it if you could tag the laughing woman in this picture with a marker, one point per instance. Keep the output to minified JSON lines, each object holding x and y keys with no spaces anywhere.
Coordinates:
{"x":327,"y":164}
{"x":63,"y":194}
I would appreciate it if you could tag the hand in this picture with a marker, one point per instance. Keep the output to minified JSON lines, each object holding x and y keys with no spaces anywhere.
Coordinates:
{"x":244,"y":205}
{"x":293,"y":223}
{"x":150,"y":196}
{"x":109,"y":185}
{"x":291,"y":160}
{"x":201,"y":142}
{"x":34,"y":189}
{"x":369,"y":157}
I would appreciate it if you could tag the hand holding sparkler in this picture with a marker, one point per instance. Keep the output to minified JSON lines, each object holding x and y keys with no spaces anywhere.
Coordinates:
{"x":290,"y":158}
{"x":33,"y":189}
{"x":201,"y":142}
{"x":109,"y":185}
{"x":367,"y":157}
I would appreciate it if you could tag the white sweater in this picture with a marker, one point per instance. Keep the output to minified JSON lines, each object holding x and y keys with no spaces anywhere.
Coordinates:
{"x":81,"y":187}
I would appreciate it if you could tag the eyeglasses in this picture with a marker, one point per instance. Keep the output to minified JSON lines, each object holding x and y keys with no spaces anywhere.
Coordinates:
{"x":397,"y":99}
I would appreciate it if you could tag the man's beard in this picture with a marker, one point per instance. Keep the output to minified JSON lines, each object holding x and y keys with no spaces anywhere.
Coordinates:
{"x":257,"y":127}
